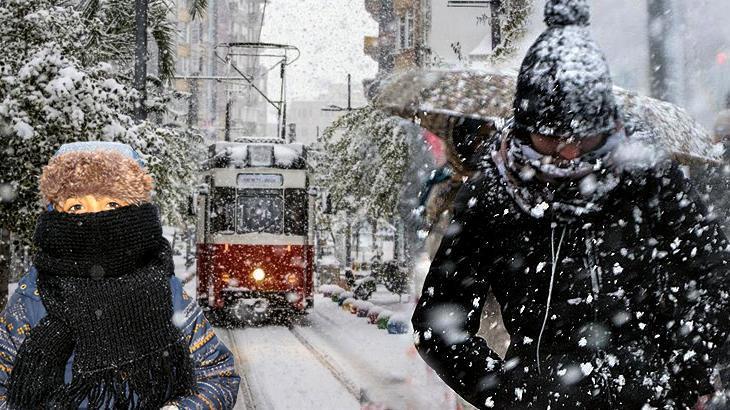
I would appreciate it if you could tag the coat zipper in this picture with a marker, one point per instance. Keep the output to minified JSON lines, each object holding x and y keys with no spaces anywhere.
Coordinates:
{"x":591,"y":263}
{"x":555,"y":255}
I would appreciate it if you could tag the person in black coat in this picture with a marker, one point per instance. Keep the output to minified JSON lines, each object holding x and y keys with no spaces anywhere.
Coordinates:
{"x":611,"y":275}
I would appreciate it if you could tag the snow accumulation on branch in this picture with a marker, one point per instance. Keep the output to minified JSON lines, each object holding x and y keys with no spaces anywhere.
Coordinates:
{"x":363,"y":162}
{"x":57,"y":90}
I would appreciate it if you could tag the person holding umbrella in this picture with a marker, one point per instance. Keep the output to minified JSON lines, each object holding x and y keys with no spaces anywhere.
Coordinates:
{"x":612,"y":279}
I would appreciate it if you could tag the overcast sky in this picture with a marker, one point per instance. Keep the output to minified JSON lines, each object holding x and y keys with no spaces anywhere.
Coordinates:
{"x":330,"y":35}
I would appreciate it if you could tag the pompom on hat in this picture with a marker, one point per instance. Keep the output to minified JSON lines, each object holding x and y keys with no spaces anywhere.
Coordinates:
{"x":96,"y":168}
{"x":567,"y":13}
{"x":564,"y":87}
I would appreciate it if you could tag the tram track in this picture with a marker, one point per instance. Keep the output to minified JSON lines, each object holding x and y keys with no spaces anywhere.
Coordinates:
{"x":357,"y":392}
{"x":244,"y":390}
{"x":253,"y":395}
{"x":377,"y":385}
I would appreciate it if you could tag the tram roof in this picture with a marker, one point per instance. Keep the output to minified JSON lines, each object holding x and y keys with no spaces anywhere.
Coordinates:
{"x":248,"y":155}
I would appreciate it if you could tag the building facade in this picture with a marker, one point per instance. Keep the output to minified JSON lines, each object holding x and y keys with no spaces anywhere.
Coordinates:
{"x":214,"y":96}
{"x":313,"y":116}
{"x":403,"y":27}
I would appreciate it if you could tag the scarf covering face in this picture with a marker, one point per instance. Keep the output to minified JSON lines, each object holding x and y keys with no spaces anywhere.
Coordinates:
{"x":565,"y":191}
{"x":104,"y":281}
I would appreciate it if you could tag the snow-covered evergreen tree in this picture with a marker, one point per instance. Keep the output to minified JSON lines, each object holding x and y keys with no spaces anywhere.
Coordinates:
{"x":364,"y":157}
{"x":516,"y":13}
{"x":361,"y":168}
{"x":114,"y":37}
{"x":31,"y":25}
{"x":55,"y":89}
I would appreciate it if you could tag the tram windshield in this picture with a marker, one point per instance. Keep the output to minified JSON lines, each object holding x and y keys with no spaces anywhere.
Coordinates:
{"x":295,"y":221}
{"x":260,"y":210}
{"x":243,"y":211}
{"x":223,"y":210}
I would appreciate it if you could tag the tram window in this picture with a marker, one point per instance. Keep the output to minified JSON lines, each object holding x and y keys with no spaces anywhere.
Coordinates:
{"x":260,"y":210}
{"x":222,"y":212}
{"x":295,"y":220}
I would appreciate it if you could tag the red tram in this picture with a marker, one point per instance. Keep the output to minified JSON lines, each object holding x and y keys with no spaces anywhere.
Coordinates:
{"x":254,"y":254}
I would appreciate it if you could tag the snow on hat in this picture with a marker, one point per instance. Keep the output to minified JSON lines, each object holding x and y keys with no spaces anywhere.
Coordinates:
{"x":564,"y":88}
{"x":95,"y":168}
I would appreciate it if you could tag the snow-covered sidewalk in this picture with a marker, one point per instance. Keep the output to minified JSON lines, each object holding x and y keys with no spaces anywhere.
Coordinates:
{"x":385,"y":366}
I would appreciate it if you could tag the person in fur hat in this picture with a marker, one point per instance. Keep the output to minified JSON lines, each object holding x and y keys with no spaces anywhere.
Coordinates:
{"x":100,"y":321}
{"x":612,"y":277}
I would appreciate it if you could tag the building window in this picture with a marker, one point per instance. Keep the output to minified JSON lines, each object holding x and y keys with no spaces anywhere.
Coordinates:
{"x":402,"y":29}
{"x":189,"y":33}
{"x":185,"y":66}
{"x":406,"y":29}
{"x":411,"y":28}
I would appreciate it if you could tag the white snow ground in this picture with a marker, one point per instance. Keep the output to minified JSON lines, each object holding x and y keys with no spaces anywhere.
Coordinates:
{"x":386,"y":367}
{"x":282,"y":373}
{"x":332,"y":360}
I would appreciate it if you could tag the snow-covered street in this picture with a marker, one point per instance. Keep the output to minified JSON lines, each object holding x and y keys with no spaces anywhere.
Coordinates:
{"x":332,"y":359}
{"x":280,"y":372}
{"x":364,"y":204}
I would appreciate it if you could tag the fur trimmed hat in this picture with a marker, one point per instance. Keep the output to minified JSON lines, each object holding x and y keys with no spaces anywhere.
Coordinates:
{"x":96,"y":168}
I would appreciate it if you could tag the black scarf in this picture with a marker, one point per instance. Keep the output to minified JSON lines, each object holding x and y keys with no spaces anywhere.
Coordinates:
{"x":564,"y":193}
{"x":104,"y":281}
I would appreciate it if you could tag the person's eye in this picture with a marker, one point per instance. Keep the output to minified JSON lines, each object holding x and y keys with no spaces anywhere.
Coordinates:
{"x":75,"y":208}
{"x":113,"y":205}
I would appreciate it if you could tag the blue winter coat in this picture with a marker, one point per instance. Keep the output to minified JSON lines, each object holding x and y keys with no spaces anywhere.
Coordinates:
{"x":216,"y":378}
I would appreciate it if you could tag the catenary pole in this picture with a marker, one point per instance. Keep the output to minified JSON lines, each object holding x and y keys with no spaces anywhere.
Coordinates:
{"x":666,"y":57}
{"x":140,"y":57}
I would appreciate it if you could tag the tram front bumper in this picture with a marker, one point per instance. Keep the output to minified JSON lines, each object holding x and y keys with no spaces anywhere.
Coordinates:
{"x":269,"y":301}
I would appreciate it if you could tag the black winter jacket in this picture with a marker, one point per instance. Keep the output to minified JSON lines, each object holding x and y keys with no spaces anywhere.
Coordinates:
{"x":638,"y":309}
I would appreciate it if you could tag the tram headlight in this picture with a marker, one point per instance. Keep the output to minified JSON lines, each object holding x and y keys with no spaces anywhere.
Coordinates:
{"x":258,"y":274}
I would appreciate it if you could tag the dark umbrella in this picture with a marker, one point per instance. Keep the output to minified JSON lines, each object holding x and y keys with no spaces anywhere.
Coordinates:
{"x":441,"y":101}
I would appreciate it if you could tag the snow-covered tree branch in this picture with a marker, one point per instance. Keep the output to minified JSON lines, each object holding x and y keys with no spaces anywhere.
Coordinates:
{"x":365,"y":155}
{"x":56,"y":90}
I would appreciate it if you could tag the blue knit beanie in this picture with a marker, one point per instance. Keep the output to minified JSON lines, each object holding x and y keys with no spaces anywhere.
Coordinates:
{"x":90,"y":146}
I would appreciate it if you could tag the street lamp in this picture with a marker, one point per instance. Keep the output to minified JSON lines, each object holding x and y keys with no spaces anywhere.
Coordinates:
{"x":336,"y":108}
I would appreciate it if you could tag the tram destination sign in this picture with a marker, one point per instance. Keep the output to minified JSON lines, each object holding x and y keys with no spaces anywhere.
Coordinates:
{"x":260,"y":180}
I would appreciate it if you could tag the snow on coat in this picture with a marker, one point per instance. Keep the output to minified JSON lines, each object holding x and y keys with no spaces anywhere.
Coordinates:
{"x":624,"y":307}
